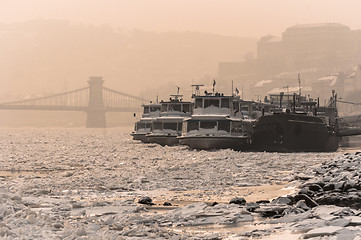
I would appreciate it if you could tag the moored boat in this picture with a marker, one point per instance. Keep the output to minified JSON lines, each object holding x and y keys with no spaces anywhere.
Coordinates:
{"x":165,"y":130}
{"x":215,"y":123}
{"x":302,"y":127}
{"x":142,"y":127}
{"x":168,"y":126}
{"x":214,"y":132}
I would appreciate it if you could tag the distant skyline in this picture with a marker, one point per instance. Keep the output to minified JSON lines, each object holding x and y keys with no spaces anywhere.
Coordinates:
{"x":245,"y":18}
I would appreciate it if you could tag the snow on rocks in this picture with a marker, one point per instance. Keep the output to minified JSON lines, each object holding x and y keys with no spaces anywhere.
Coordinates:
{"x":325,"y":211}
{"x":337,"y":182}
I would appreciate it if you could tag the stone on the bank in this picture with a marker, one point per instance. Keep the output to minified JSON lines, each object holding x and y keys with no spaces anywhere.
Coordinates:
{"x":308,"y":224}
{"x":354,"y":220}
{"x":315,"y":187}
{"x":251,"y":207}
{"x":309,"y":201}
{"x":341,"y":222}
{"x":323,"y":231}
{"x":238,"y":200}
{"x":272,"y":210}
{"x":282,"y":200}
{"x":146,"y":200}
{"x":302,"y":205}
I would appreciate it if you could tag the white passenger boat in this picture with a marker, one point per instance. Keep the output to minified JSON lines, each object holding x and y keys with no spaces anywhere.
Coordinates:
{"x":215,"y":123}
{"x":142,"y":127}
{"x":168,"y":126}
{"x":215,"y":132}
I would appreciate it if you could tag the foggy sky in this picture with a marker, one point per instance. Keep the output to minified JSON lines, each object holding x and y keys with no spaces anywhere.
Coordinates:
{"x":246,"y":18}
{"x":64,"y":57}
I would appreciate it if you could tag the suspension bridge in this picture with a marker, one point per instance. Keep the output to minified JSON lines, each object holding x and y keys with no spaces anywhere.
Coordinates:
{"x":95,"y":100}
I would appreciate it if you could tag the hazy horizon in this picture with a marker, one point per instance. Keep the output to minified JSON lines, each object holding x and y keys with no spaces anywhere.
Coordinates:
{"x":145,"y":48}
{"x":245,"y":18}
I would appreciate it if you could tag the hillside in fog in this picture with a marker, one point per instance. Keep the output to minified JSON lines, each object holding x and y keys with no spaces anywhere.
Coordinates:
{"x":44,"y":57}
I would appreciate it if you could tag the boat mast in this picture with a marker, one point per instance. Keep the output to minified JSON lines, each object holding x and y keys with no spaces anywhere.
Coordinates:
{"x":196,"y":91}
{"x":214,"y":84}
{"x":299,"y":85}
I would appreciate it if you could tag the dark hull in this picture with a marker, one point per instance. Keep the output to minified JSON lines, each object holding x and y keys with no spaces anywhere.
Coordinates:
{"x":164,"y":140}
{"x":293,"y":133}
{"x":141,"y":136}
{"x":212,"y":142}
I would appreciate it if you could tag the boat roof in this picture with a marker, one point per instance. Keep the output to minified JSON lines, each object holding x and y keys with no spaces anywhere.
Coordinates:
{"x":146,"y":119}
{"x":152,"y":105}
{"x":176,"y":101}
{"x":170,"y":118}
{"x":219,"y":95}
{"x":208,"y":116}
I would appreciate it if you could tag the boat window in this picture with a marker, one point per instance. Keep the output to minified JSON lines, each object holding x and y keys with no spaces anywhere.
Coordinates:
{"x":244,"y":108}
{"x":164,"y":107}
{"x":140,"y":125}
{"x":225,"y":103}
{"x":211,"y":102}
{"x":175,"y":107}
{"x":186,"y":107}
{"x":157,"y":125}
{"x":198,"y":103}
{"x":223,"y":125}
{"x":208,"y":124}
{"x":179,"y":126}
{"x":192,"y":125}
{"x":236,"y":106}
{"x":146,"y":109}
{"x":154,"y":109}
{"x":172,"y":126}
{"x":236,"y":127}
{"x":147,"y":125}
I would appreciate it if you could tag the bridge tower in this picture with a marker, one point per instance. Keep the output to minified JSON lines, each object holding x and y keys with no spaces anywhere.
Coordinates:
{"x":96,"y":110}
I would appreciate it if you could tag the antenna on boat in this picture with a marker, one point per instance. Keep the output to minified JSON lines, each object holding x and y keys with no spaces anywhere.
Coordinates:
{"x":196,"y":86}
{"x":214,"y":84}
{"x":232,"y":89}
{"x":157,"y":99}
{"x":299,"y":85}
{"x":177,"y":97}
{"x":287,"y":87}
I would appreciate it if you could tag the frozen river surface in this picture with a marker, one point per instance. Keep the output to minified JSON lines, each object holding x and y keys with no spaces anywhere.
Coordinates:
{"x":85,"y":184}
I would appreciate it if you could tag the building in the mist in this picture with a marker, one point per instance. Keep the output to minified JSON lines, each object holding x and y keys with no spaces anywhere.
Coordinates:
{"x":314,"y":50}
{"x":310,"y":45}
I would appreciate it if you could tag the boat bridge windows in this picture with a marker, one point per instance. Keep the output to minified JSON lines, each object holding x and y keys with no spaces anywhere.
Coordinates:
{"x":160,"y":125}
{"x":142,"y":125}
{"x":177,"y":107}
{"x":150,"y":109}
{"x":217,"y":125}
{"x":215,"y":101}
{"x":207,"y":124}
{"x":251,"y":108}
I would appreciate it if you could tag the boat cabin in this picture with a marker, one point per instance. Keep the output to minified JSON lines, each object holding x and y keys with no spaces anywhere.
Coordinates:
{"x":143,"y":125}
{"x":250,"y":109}
{"x":175,"y":106}
{"x":215,"y":125}
{"x":167,"y":125}
{"x":151,"y":110}
{"x":213,"y":104}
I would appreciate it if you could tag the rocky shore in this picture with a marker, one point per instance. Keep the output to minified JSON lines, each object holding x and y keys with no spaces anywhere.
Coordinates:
{"x":94,"y":184}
